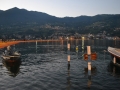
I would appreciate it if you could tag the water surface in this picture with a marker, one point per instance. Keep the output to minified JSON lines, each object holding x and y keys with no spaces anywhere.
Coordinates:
{"x":44,"y":66}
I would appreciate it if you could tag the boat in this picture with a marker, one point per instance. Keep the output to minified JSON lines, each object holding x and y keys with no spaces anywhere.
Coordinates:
{"x":11,"y":54}
{"x":115,"y":54}
{"x":12,"y":67}
{"x":14,"y":56}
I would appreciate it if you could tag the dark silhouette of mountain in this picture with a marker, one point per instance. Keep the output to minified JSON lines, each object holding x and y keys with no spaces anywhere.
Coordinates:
{"x":82,"y":24}
{"x":16,"y":15}
{"x":1,"y":11}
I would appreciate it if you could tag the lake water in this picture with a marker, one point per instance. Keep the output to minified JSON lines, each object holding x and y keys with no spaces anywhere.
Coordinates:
{"x":44,"y":66}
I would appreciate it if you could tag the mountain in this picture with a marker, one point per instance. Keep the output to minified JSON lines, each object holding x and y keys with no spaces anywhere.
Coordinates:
{"x":20,"y":18}
{"x":1,"y":11}
{"x":16,"y":15}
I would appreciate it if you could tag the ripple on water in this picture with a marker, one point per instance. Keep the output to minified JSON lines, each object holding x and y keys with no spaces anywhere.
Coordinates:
{"x":47,"y":68}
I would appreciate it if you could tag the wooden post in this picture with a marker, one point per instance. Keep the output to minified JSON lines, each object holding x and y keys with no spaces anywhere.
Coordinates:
{"x":68,"y":59}
{"x":88,"y":50}
{"x":89,"y":81}
{"x":77,"y":49}
{"x":114,"y":60}
{"x":68,"y":62}
{"x":89,"y":68}
{"x":36,"y":46}
{"x":68,"y":46}
{"x":89,"y":61}
{"x":36,"y":43}
{"x":82,"y":42}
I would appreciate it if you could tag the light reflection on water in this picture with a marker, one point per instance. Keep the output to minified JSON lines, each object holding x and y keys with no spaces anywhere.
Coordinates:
{"x":44,"y":66}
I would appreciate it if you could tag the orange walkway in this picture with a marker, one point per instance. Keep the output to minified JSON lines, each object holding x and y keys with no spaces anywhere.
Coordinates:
{"x":5,"y":44}
{"x":8,"y":43}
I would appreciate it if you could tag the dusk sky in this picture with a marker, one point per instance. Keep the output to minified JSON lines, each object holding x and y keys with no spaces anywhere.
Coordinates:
{"x":63,"y":8}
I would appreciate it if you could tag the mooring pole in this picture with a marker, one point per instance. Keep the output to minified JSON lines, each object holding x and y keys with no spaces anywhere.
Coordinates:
{"x":89,"y":61}
{"x":68,"y":62}
{"x":88,"y":57}
{"x":36,"y":46}
{"x":68,"y":46}
{"x":114,"y":60}
{"x":68,"y":57}
{"x":77,"y":49}
{"x":83,"y":42}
